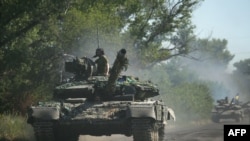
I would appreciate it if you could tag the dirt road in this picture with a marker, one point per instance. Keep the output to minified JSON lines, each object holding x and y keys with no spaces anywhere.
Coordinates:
{"x":208,"y":132}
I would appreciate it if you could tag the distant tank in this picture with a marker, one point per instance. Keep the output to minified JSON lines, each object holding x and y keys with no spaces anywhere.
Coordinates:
{"x":225,"y":110}
{"x":246,"y":108}
{"x":100,"y":105}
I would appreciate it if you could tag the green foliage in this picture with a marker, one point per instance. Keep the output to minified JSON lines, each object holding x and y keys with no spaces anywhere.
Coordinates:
{"x":242,"y":77}
{"x":36,"y":33}
{"x":190,"y":97}
{"x":14,"y":128}
{"x":213,"y":52}
{"x":191,"y":101}
{"x":243,"y":67}
{"x":154,"y":22}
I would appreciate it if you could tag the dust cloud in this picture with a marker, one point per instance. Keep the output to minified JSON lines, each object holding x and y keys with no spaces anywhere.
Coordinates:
{"x":208,"y":69}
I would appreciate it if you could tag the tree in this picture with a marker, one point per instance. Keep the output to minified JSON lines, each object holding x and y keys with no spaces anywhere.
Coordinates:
{"x":243,"y":67}
{"x":19,"y":17}
{"x":35,"y":34}
{"x":155,"y":22}
{"x":211,"y":52}
{"x":194,"y":101}
{"x":241,"y":77}
{"x":27,"y":50}
{"x":147,"y":23}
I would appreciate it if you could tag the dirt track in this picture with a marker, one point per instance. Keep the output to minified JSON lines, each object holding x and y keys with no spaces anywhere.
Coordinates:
{"x":208,"y":132}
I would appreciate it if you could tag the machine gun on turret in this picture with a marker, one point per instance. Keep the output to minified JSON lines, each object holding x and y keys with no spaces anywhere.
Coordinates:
{"x":82,"y":68}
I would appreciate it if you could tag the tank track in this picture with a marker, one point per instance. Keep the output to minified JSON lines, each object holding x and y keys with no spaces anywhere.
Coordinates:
{"x":161,"y":132}
{"x":44,"y":131}
{"x":144,"y":130}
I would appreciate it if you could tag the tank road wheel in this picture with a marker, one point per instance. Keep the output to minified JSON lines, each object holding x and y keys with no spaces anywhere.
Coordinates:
{"x":238,"y":116}
{"x":161,"y":133}
{"x":156,"y":134}
{"x":44,"y":131}
{"x":144,"y":130}
{"x":238,"y":119}
{"x":65,"y":135}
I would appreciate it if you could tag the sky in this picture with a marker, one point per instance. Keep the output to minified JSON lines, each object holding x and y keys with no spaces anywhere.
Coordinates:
{"x":225,"y":19}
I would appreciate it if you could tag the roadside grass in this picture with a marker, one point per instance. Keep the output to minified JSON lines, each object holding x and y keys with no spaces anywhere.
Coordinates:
{"x":13,"y":127}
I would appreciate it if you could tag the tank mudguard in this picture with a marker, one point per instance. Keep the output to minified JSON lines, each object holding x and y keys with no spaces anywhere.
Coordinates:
{"x":171,"y":114}
{"x":138,"y":111}
{"x":44,"y":113}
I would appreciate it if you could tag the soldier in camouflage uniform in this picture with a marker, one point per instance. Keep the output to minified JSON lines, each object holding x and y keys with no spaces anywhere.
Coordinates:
{"x":102,"y":62}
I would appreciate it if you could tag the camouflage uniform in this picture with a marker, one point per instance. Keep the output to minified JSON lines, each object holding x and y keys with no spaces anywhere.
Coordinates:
{"x":102,"y":62}
{"x":237,"y":99}
{"x":102,"y":65}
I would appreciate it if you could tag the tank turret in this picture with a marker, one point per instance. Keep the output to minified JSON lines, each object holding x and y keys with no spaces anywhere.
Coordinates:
{"x":113,"y":87}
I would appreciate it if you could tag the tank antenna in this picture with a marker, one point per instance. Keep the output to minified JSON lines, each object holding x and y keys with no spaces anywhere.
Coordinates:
{"x":97,"y":34}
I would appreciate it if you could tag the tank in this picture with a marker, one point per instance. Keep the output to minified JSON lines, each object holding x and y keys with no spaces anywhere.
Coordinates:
{"x":225,"y":110}
{"x":246,"y":108}
{"x":86,"y":104}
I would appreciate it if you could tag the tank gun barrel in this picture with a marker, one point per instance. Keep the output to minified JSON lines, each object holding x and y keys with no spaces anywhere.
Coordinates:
{"x":120,"y":63}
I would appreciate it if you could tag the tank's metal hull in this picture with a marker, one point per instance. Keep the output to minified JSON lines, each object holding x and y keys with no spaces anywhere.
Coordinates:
{"x":97,"y":119}
{"x":225,"y":112}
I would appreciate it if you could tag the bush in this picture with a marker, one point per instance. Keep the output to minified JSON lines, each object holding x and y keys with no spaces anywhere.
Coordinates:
{"x":13,"y":127}
{"x":191,"y":101}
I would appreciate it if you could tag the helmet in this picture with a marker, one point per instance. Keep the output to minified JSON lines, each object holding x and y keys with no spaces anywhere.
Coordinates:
{"x":99,"y":50}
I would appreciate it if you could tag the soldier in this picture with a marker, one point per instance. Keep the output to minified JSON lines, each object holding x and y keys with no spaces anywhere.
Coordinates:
{"x":102,"y":62}
{"x":237,"y":99}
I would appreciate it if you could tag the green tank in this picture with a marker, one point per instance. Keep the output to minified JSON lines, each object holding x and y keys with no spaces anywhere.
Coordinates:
{"x":246,"y":109}
{"x":227,"y":110}
{"x":100,"y":105}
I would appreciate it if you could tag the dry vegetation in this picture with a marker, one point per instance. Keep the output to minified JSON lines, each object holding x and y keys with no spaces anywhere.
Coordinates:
{"x":13,"y":127}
